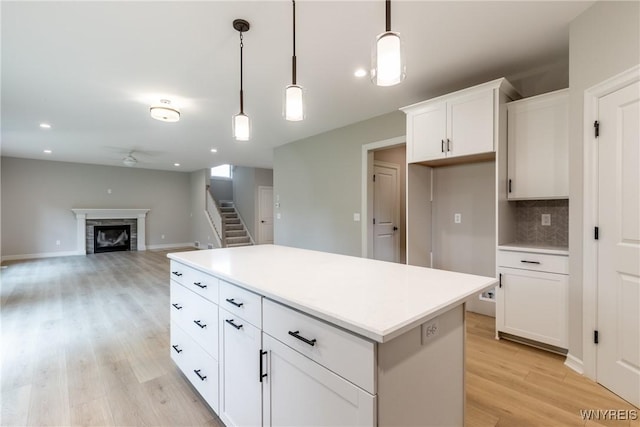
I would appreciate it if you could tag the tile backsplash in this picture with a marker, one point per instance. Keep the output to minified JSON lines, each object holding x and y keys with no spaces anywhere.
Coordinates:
{"x":529,"y":228}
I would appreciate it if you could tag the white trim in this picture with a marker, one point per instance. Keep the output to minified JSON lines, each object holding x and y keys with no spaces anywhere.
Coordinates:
{"x":590,"y":212}
{"x":41,"y":255}
{"x":574,"y":363}
{"x":170,"y":246}
{"x":364,"y":170}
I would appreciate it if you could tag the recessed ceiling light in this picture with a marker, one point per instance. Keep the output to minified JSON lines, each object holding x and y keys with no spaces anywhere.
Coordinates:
{"x":45,"y":125}
{"x":47,"y":151}
{"x":214,"y":150}
{"x":176,"y":164}
{"x":360,"y":72}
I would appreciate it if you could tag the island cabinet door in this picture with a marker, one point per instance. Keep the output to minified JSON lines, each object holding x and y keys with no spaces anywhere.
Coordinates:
{"x":240,"y":385}
{"x":300,"y":392}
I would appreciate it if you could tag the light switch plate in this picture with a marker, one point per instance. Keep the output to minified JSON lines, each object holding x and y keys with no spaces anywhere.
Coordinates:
{"x":356,"y":217}
{"x":457,"y":218}
{"x":546,"y":219}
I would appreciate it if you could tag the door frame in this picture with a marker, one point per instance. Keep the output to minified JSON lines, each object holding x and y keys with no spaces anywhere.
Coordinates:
{"x":396,"y":207}
{"x":590,"y":218}
{"x":366,"y":190}
{"x":259,"y":205}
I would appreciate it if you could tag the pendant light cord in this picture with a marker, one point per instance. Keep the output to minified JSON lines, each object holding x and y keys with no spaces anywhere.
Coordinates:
{"x":241,"y":94}
{"x":293,"y":59}
{"x":388,"y":15}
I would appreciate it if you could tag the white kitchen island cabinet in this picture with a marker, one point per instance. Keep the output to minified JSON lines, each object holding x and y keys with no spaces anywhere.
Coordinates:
{"x":310,"y":338}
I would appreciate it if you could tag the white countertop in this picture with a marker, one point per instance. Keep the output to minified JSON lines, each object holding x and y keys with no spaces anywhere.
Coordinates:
{"x":378,"y":300}
{"x":541,"y":249}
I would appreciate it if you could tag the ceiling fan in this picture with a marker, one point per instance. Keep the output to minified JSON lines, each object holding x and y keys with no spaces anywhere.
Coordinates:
{"x":130,"y":161}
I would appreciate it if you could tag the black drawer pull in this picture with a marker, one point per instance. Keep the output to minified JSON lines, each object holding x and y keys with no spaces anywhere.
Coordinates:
{"x":529,"y":262}
{"x":233,"y":301}
{"x":230,"y":321}
{"x":177,"y":306}
{"x":197,"y":322}
{"x":200,"y":285}
{"x":176,"y":273}
{"x":175,"y":347}
{"x":303,"y":339}
{"x":202,"y":377}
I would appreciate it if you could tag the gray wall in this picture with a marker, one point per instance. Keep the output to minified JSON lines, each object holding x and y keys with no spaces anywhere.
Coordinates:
{"x":38,"y":195}
{"x":222,"y":189}
{"x":470,"y":246}
{"x":398,"y":155}
{"x":603,"y":42}
{"x":245,"y":193}
{"x":201,"y":230}
{"x":318,"y":182}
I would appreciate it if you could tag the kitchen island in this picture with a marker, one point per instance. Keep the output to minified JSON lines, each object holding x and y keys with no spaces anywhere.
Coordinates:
{"x":273,"y":335}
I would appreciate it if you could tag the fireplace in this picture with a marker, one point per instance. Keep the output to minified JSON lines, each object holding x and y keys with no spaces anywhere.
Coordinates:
{"x":111,"y":238}
{"x":88,"y":219}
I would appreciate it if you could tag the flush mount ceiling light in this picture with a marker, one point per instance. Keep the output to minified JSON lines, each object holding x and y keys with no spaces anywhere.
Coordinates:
{"x":241,"y":122}
{"x":45,"y":125}
{"x":387,"y":61}
{"x":164,"y":111}
{"x":293,"y":102}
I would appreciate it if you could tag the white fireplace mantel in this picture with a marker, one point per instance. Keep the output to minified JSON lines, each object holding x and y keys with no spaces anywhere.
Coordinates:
{"x":82,"y":215}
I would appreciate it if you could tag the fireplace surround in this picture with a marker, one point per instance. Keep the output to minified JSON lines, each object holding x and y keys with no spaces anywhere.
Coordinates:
{"x":87,"y":219}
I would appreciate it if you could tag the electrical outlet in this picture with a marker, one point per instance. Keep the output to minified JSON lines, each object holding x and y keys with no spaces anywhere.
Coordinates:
{"x":57,"y":242}
{"x":162,"y":237}
{"x":546,"y":219}
{"x":457,"y":218}
{"x":196,"y":244}
{"x":209,"y":245}
{"x":430,"y":330}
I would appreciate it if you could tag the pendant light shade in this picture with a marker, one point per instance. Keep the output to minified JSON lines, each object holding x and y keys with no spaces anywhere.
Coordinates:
{"x":241,"y":125}
{"x":294,"y":105}
{"x":387,"y":59}
{"x":293,"y":94}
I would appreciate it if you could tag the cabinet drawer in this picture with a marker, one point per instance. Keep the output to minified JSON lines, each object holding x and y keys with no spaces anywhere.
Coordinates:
{"x":197,"y":281}
{"x":199,"y":367}
{"x":534,"y":261}
{"x":242,"y":303}
{"x":347,"y":355}
{"x":197,"y":316}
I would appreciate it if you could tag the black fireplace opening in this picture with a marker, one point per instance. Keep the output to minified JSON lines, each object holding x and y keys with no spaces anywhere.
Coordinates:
{"x":111,"y":238}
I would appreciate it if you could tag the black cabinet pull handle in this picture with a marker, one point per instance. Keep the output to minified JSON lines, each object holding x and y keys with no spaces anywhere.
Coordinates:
{"x":200,"y":285}
{"x":176,"y":273}
{"x":230,"y":321}
{"x":448,"y":145}
{"x":529,"y":262}
{"x":233,"y":301}
{"x":177,"y":306}
{"x":261,"y":375}
{"x":509,"y":186}
{"x":442,"y":145}
{"x":175,"y":347}
{"x":202,"y":377}
{"x":197,"y":322}
{"x":295,"y":334}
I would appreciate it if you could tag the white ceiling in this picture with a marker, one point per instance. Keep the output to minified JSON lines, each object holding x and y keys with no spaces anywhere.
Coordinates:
{"x":91,"y":70}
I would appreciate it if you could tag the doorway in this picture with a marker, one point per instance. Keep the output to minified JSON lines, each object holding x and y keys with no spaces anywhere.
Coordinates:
{"x":265,"y":215}
{"x":611,"y":263}
{"x":387,"y":161}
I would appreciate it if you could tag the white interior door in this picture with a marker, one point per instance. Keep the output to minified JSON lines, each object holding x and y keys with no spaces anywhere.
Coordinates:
{"x":618,"y":350}
{"x":386,"y":213}
{"x":265,"y":215}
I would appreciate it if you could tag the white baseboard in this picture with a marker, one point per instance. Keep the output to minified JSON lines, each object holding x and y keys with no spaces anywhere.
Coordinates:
{"x":40,"y":255}
{"x":575,"y":364}
{"x":171,"y":246}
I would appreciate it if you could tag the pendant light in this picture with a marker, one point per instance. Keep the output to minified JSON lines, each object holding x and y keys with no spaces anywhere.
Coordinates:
{"x":387,"y":65}
{"x":293,"y":102}
{"x":241,"y":122}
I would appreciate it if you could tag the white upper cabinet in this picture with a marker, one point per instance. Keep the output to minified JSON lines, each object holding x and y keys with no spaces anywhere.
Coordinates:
{"x":463,"y":123}
{"x":538,"y":147}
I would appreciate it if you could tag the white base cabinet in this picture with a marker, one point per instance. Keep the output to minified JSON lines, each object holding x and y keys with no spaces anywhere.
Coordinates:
{"x":532,"y":297}
{"x":300,"y":392}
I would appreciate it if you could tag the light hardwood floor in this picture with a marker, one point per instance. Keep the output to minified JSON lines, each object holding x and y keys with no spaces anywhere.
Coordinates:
{"x":85,"y":342}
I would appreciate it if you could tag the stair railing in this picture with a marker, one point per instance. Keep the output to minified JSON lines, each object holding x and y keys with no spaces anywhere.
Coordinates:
{"x":214,"y":216}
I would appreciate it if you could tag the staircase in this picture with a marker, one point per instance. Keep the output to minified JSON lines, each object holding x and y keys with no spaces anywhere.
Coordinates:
{"x":233,"y":230}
